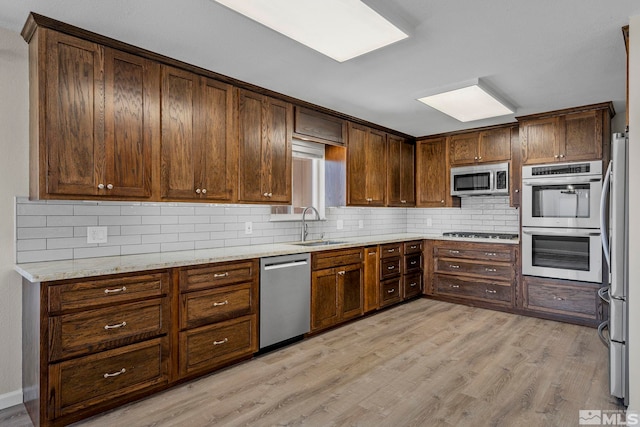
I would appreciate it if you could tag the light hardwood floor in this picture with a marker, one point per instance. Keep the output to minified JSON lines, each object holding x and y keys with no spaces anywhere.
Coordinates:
{"x":425,"y":363}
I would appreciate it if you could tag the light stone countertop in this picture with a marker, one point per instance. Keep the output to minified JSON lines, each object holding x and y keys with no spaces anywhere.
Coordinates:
{"x":79,"y":268}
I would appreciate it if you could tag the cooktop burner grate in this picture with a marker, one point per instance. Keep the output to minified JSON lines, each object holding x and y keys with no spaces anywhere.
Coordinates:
{"x":478,"y":235}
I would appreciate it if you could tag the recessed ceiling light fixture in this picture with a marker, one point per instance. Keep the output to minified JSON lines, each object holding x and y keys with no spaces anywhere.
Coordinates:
{"x":469,"y":102}
{"x":340,"y":29}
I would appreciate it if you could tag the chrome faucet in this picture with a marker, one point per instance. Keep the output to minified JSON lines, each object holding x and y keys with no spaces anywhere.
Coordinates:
{"x":304,"y":232}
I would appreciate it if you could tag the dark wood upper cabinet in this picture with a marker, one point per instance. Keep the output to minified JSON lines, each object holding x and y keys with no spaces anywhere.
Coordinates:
{"x":432,"y":180}
{"x":575,"y":134}
{"x":266,"y":126}
{"x":487,"y":146}
{"x":366,"y":166}
{"x":199,"y":139}
{"x":400,"y":172}
{"x":311,"y":125}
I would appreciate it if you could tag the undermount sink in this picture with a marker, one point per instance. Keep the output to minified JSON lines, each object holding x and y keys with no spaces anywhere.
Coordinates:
{"x":319,"y":243}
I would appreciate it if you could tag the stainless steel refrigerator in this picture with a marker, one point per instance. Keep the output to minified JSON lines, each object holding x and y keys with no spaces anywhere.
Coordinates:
{"x":615,"y":243}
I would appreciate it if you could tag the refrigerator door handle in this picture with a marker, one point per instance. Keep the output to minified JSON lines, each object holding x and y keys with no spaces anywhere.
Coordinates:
{"x":601,"y":327}
{"x":604,"y":233}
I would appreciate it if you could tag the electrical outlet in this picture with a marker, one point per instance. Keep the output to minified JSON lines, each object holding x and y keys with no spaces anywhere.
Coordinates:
{"x":96,"y":234}
{"x":360,"y":223}
{"x":248,"y":227}
{"x":429,"y":222}
{"x":340,"y":224}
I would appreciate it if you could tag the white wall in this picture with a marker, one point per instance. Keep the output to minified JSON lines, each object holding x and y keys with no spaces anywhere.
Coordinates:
{"x":634,"y":213}
{"x":14,"y":177}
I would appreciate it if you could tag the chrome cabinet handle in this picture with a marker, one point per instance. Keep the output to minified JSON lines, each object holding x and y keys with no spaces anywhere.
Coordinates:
{"x":414,"y":284}
{"x":490,"y":291}
{"x":116,"y":326}
{"x":267,"y":194}
{"x":517,"y":191}
{"x":556,"y":298}
{"x":556,"y":156}
{"x":391,"y":250}
{"x":475,"y":158}
{"x":490,"y":270}
{"x":115,"y":374}
{"x":413,"y":247}
{"x":204,"y":191}
{"x":109,"y":186}
{"x":218,"y":275}
{"x":562,"y":156}
{"x":454,"y":286}
{"x":392,"y":290}
{"x":218,"y":304}
{"x":111,"y":291}
{"x":371,"y":253}
{"x":454,"y":252}
{"x":341,"y":272}
{"x":403,"y":201}
{"x":442,"y":201}
{"x":454,"y":266}
{"x":224,"y":341}
{"x":101,"y":186}
{"x":490,"y":254}
{"x":413,"y":262}
{"x":391,"y":267}
{"x":198,"y":191}
{"x":480,"y":158}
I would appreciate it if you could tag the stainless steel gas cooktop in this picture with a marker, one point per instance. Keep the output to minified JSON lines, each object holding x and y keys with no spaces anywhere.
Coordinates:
{"x":478,"y":235}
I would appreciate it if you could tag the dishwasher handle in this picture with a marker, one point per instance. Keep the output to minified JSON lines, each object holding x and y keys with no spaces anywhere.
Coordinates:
{"x":289,"y":264}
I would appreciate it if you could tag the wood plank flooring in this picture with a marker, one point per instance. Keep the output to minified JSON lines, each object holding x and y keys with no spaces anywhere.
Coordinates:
{"x":425,"y":363}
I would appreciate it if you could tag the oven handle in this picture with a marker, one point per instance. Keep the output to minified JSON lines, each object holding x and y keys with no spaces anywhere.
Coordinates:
{"x":562,"y":181}
{"x":561,"y":232}
{"x":601,"y":327}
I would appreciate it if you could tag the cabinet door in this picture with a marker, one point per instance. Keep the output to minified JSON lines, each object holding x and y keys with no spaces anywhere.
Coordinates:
{"x":376,"y":167}
{"x":582,"y":136}
{"x":132,"y":90}
{"x":324,"y":299}
{"x":400,"y":172}
{"x":357,"y":165}
{"x":463,"y":148}
{"x":217,"y":132}
{"x":265,"y":126}
{"x":351,"y":291}
{"x":181,"y":156}
{"x":432,"y":180}
{"x":371,"y":288}
{"x":73,"y":134}
{"x":494,"y":145}
{"x":539,"y":139}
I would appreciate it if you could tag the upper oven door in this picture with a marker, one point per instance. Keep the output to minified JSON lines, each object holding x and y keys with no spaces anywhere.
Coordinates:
{"x":572,"y":254}
{"x":571,"y":202}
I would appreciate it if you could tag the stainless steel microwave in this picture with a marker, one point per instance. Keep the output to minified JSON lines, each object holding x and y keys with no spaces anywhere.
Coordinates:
{"x":492,"y":179}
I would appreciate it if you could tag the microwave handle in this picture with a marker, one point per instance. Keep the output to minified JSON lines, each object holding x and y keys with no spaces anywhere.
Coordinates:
{"x":561,"y":232}
{"x":564,"y":181}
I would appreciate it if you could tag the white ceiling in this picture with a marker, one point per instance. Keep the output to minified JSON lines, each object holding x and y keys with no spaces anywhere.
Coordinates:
{"x":539,"y":55}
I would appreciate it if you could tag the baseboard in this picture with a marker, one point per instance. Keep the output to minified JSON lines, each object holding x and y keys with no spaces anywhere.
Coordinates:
{"x":10,"y":399}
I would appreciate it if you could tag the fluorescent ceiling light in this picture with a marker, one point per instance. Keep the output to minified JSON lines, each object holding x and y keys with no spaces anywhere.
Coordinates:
{"x":340,"y":29}
{"x":468,"y":103}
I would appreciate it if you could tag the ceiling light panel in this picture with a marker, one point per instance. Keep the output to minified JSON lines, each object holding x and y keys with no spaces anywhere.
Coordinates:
{"x":340,"y":29}
{"x":468,"y":104}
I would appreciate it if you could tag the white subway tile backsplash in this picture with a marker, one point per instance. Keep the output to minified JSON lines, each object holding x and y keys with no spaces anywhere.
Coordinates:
{"x":178,"y":246}
{"x":97,"y":210}
{"x":100,"y":251}
{"x":31,"y":221}
{"x":119,"y":220}
{"x":44,"y":232}
{"x":71,"y":221}
{"x":69,"y":243}
{"x":41,"y":208}
{"x":40,"y":256}
{"x":140,"y":249}
{"x":157,"y":219}
{"x":140,"y":229}
{"x":159,"y":238}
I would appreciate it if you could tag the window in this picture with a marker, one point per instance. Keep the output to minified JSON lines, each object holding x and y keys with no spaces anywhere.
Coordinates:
{"x":307,"y":183}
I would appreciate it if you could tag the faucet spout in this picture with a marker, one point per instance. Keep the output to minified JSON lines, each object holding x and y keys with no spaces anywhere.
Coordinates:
{"x":304,"y":232}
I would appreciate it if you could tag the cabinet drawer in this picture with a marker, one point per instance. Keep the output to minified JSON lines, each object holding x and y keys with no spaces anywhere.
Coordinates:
{"x":390,"y":292}
{"x":496,"y":253}
{"x":474,"y":288}
{"x":413,"y":263}
{"x":209,"y":346}
{"x":102,"y":328}
{"x":214,"y":305}
{"x":91,"y":293}
{"x":81,"y":383}
{"x":458,"y":266}
{"x":331,"y":259}
{"x":575,"y":300}
{"x":413,"y":247}
{"x":196,"y":278}
{"x":411,"y":285}
{"x":390,"y":267}
{"x":390,"y":250}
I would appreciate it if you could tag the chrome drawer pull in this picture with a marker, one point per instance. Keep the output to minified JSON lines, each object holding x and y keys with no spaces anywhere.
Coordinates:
{"x":371,"y":253}
{"x":224,"y":341}
{"x":391,"y":267}
{"x":392,"y":290}
{"x":414,"y":284}
{"x":490,"y":270}
{"x":454,"y":286}
{"x":454,"y":266}
{"x":490,"y":254}
{"x":413,"y":262}
{"x":111,"y":291}
{"x":218,"y":304}
{"x":413,"y":247}
{"x":558,"y":298}
{"x":116,"y":326}
{"x":491,"y":291}
{"x":217,"y":275}
{"x":453,"y":252}
{"x":391,"y":250}
{"x":115,"y":374}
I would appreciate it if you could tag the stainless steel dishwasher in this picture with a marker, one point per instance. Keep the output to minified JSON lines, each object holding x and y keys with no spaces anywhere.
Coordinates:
{"x":285,"y":298}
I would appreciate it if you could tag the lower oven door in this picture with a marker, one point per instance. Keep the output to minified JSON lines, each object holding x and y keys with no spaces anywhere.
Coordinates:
{"x":562,"y":253}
